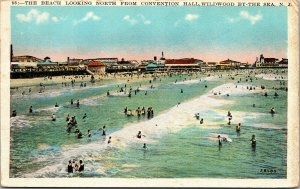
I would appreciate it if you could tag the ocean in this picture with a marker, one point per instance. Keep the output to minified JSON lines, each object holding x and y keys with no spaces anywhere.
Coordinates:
{"x":178,"y":146}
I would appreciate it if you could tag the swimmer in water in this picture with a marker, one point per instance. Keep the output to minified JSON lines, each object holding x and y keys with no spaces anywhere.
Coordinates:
{"x":238,"y":127}
{"x":109,"y":140}
{"x":71,"y":101}
{"x":88,"y":133}
{"x":56,"y":105}
{"x":53,"y":117}
{"x":76,"y":131}
{"x":201,"y":121}
{"x":253,"y":141}
{"x":84,"y":116}
{"x":77,"y":103}
{"x":14,"y":113}
{"x":144,"y":146}
{"x":30,"y":109}
{"x":272,"y":110}
{"x":67,"y":118}
{"x":220,"y":140}
{"x":79,"y":134}
{"x":103,"y":131}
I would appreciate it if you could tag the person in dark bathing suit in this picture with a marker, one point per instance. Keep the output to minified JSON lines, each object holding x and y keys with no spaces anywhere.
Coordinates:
{"x":220,"y":140}
{"x":14,"y":113}
{"x":272,"y":110}
{"x":81,"y":166}
{"x":139,"y":135}
{"x":70,"y":167}
{"x":79,"y":134}
{"x":253,"y":141}
{"x":197,"y":115}
{"x":53,"y":117}
{"x":30,"y":109}
{"x":229,"y":114}
{"x":67,"y":118}
{"x":103,"y":131}
{"x":144,"y":146}
{"x":201,"y":121}
{"x":238,"y":127}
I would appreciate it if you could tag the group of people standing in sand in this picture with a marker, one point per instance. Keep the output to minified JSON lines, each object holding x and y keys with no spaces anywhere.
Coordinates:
{"x":140,"y":112}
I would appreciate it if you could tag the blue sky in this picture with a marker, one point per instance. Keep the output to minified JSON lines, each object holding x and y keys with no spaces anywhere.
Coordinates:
{"x":208,"y":33}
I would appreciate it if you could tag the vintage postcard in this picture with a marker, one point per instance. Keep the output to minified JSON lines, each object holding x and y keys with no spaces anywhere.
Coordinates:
{"x":150,"y":93}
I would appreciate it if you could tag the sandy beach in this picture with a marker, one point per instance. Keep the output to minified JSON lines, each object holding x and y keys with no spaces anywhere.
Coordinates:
{"x":26,"y":82}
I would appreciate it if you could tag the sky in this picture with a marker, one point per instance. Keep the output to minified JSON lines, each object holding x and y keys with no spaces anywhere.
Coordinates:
{"x":140,"y":33}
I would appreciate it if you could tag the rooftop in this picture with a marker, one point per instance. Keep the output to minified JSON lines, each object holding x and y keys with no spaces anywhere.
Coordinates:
{"x":181,"y":61}
{"x":95,"y":64}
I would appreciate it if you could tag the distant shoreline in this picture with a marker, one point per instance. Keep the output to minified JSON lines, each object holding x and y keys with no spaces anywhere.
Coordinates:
{"x":27,"y":82}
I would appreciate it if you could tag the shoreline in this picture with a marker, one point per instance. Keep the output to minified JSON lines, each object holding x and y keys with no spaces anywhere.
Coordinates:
{"x":29,"y":82}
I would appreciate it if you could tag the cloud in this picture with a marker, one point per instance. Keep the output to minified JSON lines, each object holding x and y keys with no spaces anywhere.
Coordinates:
{"x":177,"y":23}
{"x":145,"y":21}
{"x":130,"y":20}
{"x":233,"y":20}
{"x":89,"y":16}
{"x":245,"y":15}
{"x":33,"y":15}
{"x":188,"y":18}
{"x":191,"y":17}
{"x":252,"y":18}
{"x":55,"y":19}
{"x":137,"y":19}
